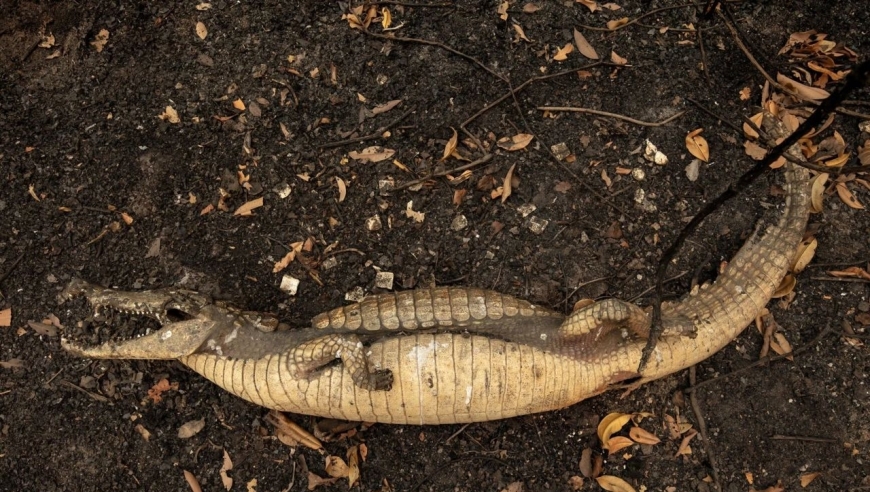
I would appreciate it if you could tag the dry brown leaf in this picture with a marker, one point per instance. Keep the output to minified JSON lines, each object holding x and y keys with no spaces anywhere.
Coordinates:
{"x":584,"y":47}
{"x":126,"y":218}
{"x":745,"y":93}
{"x":781,"y":346}
{"x":315,"y":480}
{"x":100,"y":40}
{"x":697,"y":145}
{"x":562,"y":187}
{"x":225,"y":467}
{"x":516,"y":142}
{"x":606,"y":178}
{"x":145,"y":433}
{"x":207,"y":209}
{"x":618,"y":443}
{"x":864,"y":153}
{"x":848,"y":197}
{"x":247,"y":208}
{"x":611,"y":6}
{"x":47,"y":41}
{"x":807,"y":478}
{"x":451,"y":145}
{"x":507,"y":187}
{"x":685,"y":449}
{"x":643,"y":436}
{"x":805,"y":252}
{"x":336,"y":467}
{"x":6,"y":317}
{"x":748,"y":130}
{"x":611,"y":424}
{"x":352,"y":466}
{"x":458,"y":196}
{"x":618,"y":59}
{"x":372,"y":154}
{"x":191,"y":428}
{"x":611,"y":483}
{"x":530,"y":8}
{"x":522,"y":34}
{"x":12,"y":364}
{"x":786,"y":287}
{"x":562,"y":53}
{"x":383,"y":108}
{"x":502,"y":10}
{"x":802,"y":90}
{"x":586,"y":462}
{"x":201,"y":30}
{"x":342,"y":189}
{"x":514,"y":487}
{"x":170,"y":114}
{"x":753,"y":150}
{"x":239,"y":104}
{"x":592,"y":5}
{"x":817,"y":194}
{"x":616,"y":24}
{"x":192,"y":482}
{"x":386,"y":18}
{"x":838,"y":161}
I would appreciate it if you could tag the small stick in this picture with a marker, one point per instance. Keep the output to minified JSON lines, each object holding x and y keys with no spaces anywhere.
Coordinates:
{"x":780,"y":437}
{"x":411,"y":4}
{"x":702,"y":429}
{"x":651,"y":12}
{"x":611,"y":115}
{"x":485,"y":158}
{"x":371,"y":136}
{"x":841,"y":279}
{"x":11,"y":267}
{"x":440,"y":45}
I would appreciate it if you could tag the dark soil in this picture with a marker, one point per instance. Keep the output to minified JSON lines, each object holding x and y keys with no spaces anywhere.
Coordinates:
{"x":81,"y":130}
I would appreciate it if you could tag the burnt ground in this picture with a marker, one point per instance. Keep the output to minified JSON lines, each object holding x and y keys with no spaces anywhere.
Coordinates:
{"x":81,"y":130}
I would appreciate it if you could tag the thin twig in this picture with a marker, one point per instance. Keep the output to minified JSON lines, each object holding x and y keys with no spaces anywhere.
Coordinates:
{"x":440,"y":45}
{"x":854,"y":80}
{"x":704,"y":67}
{"x":379,"y":133}
{"x":632,"y":21}
{"x":841,"y":279}
{"x":764,"y":360}
{"x":485,"y":158}
{"x":11,"y":267}
{"x":573,"y":109}
{"x":702,"y":430}
{"x":780,"y":437}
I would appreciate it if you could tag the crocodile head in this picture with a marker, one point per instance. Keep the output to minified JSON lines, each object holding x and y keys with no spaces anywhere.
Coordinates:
{"x":189,"y":320}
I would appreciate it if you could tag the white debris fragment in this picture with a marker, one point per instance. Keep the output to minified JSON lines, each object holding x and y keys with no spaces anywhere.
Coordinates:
{"x":638,"y":174}
{"x":328,"y":263}
{"x":289,"y":284}
{"x":386,"y":185}
{"x":355,"y":295}
{"x":537,"y":225}
{"x":644,"y":203}
{"x":526,"y":208}
{"x":373,"y":223}
{"x":560,"y":150}
{"x":283,"y":190}
{"x":418,"y":217}
{"x":384,"y":280}
{"x":692,"y":170}
{"x":459,"y":223}
{"x":653,"y":154}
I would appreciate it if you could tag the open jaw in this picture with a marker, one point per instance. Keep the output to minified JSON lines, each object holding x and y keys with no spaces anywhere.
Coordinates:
{"x":178,"y":311}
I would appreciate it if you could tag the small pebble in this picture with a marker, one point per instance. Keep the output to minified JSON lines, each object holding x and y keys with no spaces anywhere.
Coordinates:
{"x":537,"y":225}
{"x":373,"y":223}
{"x":459,"y":223}
{"x":289,"y":284}
{"x":384,"y":280}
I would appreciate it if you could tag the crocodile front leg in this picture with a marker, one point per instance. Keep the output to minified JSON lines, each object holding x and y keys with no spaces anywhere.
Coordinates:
{"x":309,"y":356}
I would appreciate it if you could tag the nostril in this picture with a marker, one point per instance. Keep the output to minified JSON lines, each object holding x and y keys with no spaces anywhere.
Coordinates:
{"x":176,"y":315}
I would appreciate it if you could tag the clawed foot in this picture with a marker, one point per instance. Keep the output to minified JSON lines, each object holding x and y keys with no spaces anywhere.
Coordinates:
{"x":380,"y":380}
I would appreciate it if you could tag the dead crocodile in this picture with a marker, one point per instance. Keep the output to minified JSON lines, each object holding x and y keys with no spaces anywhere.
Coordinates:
{"x":452,"y":355}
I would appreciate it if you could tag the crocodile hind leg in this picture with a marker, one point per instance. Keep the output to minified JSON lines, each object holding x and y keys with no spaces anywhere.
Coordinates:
{"x":603,"y":317}
{"x":309,"y":356}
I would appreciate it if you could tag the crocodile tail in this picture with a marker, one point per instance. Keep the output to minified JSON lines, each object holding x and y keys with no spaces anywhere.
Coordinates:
{"x":721,"y":310}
